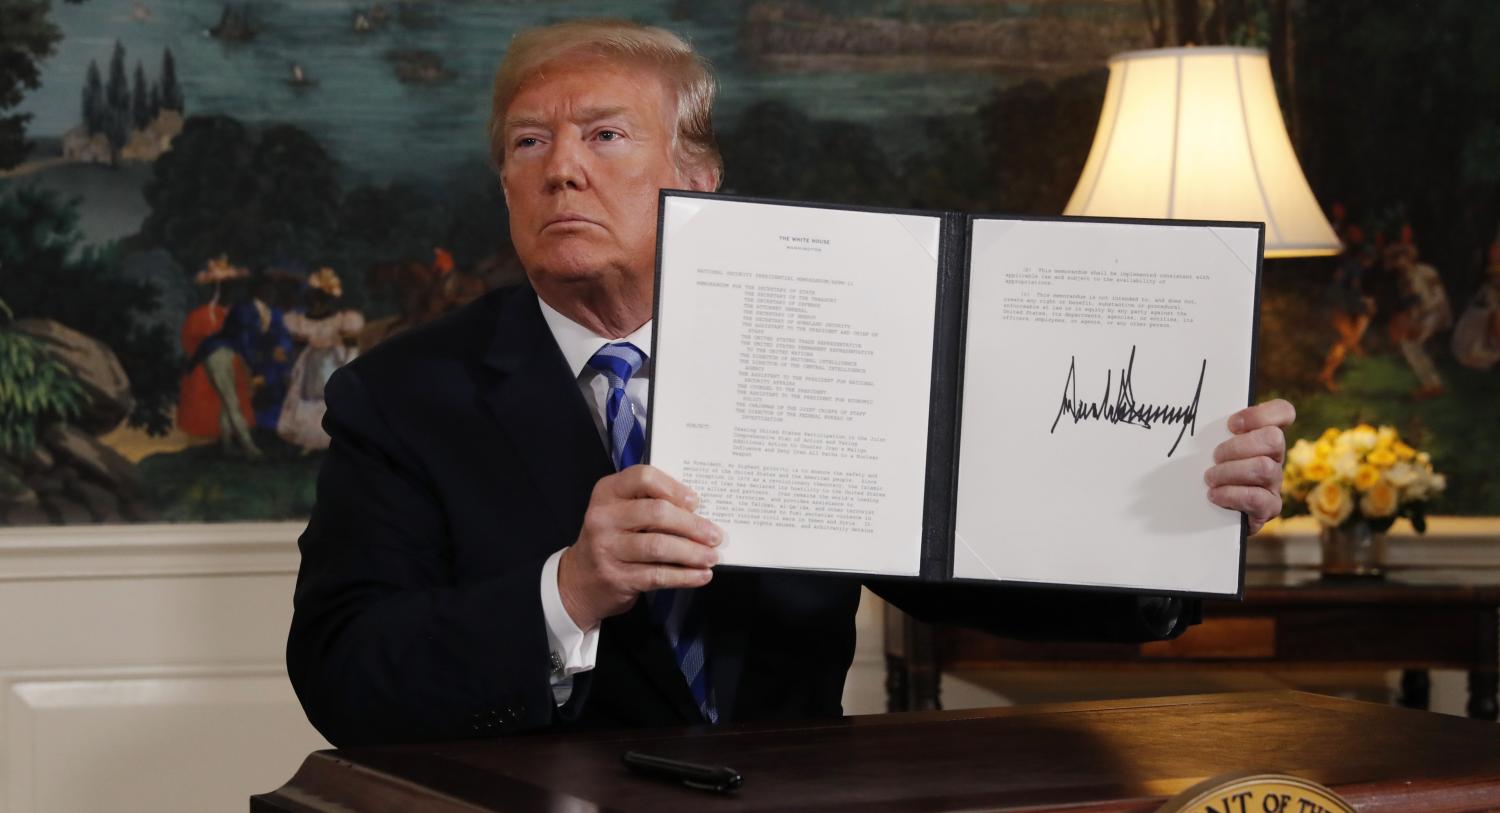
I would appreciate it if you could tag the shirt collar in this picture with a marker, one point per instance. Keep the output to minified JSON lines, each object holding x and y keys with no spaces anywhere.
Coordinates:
{"x":579,"y":344}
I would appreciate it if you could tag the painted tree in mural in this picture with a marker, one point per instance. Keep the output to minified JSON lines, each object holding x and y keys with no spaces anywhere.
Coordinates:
{"x":27,"y":37}
{"x":141,"y":113}
{"x":117,"y":101}
{"x":171,"y":92}
{"x":142,"y":101}
{"x":261,"y":198}
{"x":94,"y":110}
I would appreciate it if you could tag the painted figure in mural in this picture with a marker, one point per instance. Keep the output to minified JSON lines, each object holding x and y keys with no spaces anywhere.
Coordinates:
{"x":1422,"y":311}
{"x":1476,"y":337}
{"x":209,"y":386}
{"x":329,"y":333}
{"x":1352,"y":305}
{"x":425,"y":292}
{"x":255,"y":332}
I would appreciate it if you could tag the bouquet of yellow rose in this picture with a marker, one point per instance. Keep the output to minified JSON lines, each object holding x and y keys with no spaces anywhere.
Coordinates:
{"x":1360,"y":474}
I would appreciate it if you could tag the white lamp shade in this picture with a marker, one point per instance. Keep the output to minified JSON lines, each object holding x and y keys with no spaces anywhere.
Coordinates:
{"x":1196,"y":133}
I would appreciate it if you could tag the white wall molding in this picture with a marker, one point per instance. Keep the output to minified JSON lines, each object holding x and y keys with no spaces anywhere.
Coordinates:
{"x":148,"y":550}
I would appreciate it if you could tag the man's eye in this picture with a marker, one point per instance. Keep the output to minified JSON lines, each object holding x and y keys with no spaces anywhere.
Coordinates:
{"x":526,"y":141}
{"x":610,"y":135}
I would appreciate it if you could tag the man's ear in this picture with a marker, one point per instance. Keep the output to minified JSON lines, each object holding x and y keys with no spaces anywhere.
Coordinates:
{"x":702,"y":178}
{"x":503,"y":190}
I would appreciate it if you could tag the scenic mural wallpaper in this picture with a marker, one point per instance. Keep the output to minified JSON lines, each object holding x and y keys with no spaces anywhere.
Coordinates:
{"x":207,"y":207}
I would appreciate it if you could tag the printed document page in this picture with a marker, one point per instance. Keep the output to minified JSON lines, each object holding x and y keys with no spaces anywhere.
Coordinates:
{"x":1101,"y":363}
{"x":792,"y":376}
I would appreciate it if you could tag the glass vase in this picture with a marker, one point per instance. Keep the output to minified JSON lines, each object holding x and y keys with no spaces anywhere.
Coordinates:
{"x":1354,"y":550}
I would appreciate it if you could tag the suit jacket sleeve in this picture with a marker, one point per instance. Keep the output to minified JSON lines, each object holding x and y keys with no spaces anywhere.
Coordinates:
{"x":386,"y":643}
{"x":1040,"y":614}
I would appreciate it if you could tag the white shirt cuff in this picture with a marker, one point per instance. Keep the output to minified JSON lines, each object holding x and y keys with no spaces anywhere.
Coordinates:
{"x":573,"y":650}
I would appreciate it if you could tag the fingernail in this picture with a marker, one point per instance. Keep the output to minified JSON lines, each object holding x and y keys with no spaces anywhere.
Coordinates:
{"x":1236,"y":423}
{"x":713,"y":558}
{"x":692,"y":501}
{"x":716,"y":535}
{"x":708,"y":576}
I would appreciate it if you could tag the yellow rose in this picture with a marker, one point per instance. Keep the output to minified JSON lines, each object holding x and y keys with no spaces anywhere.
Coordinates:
{"x":1330,"y":434}
{"x":1379,"y":501}
{"x":1366,"y":477}
{"x":1318,"y":470}
{"x":1383,"y":458}
{"x":1330,"y":503}
{"x":1345,"y":463}
{"x":1301,"y":454}
{"x":1403,"y":452}
{"x":1323,"y":448}
{"x":1361,"y":438}
{"x":1402,"y":474}
{"x":1385,"y":437}
{"x":1426,"y":484}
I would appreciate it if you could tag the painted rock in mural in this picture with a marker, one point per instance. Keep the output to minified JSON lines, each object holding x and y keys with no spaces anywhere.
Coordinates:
{"x":90,"y":457}
{"x":94,"y":365}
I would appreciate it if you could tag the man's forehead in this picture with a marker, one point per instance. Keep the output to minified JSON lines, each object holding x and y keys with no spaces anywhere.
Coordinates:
{"x":587,"y":92}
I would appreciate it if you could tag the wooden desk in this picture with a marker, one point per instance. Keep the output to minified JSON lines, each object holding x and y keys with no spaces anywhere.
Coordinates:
{"x":1114,"y":756}
{"x":1414,"y":621}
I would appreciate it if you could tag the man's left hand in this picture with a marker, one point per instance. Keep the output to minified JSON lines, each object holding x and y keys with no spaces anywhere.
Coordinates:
{"x":1246,"y":475}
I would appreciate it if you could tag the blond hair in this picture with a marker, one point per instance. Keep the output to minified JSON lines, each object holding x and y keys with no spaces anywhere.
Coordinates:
{"x":688,"y":77}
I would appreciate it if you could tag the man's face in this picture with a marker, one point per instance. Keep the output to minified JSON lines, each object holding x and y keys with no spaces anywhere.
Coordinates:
{"x":588,"y":146}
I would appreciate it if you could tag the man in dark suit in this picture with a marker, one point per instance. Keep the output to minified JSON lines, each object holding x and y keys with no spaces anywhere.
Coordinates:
{"x":481,"y":545}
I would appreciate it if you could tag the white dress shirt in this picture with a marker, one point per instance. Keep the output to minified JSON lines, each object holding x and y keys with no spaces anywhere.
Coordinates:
{"x":574,"y":650}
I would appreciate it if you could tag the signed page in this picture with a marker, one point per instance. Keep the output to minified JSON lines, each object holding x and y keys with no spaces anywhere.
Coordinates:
{"x":792,"y":376}
{"x":1101,"y":363}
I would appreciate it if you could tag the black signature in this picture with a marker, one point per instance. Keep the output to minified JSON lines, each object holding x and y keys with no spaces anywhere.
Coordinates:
{"x":1124,"y":409}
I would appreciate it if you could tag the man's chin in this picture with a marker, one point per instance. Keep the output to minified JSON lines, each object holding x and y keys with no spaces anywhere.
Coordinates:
{"x":577,"y":267}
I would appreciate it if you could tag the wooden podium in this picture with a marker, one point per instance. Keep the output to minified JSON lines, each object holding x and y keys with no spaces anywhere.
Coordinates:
{"x":1113,"y":756}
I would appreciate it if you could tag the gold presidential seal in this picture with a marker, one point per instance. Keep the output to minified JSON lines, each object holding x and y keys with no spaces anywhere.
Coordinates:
{"x":1257,"y":793}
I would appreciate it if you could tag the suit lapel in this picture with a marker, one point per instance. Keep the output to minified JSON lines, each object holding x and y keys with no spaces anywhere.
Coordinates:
{"x":536,"y":399}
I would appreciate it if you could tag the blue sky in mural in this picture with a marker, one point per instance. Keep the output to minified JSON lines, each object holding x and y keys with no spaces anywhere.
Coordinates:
{"x":380,"y":127}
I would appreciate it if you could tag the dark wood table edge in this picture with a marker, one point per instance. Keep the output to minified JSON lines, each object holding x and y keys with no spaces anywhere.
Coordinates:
{"x":320,"y":784}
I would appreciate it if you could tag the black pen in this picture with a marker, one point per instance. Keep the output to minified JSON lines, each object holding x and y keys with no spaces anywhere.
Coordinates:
{"x":718,"y":778}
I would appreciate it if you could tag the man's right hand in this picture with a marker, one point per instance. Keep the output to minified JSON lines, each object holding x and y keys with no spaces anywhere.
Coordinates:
{"x":639,"y":534}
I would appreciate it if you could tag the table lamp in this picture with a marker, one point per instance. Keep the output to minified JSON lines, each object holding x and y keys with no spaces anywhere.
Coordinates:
{"x":1196,"y":133}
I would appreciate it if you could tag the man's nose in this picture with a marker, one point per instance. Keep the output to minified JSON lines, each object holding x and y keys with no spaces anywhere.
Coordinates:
{"x":565,"y":165}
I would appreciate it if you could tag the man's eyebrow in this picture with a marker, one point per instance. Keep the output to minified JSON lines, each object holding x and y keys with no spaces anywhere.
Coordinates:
{"x":525,"y":121}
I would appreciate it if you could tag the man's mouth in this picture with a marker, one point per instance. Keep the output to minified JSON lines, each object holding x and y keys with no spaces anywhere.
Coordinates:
{"x":567,"y":219}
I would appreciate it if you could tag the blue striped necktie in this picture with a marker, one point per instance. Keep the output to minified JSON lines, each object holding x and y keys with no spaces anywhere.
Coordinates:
{"x":673,"y":610}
